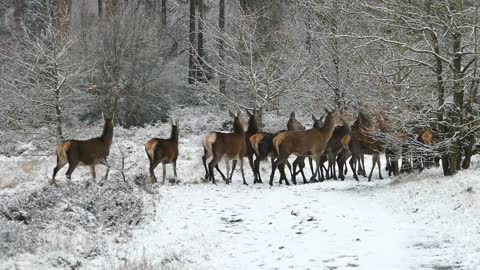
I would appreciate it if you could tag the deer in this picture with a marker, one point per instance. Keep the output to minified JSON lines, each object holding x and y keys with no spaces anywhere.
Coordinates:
{"x":317,"y":123}
{"x":85,"y":152}
{"x":309,"y":143}
{"x":339,"y":141}
{"x":207,"y":143}
{"x":249,"y":151}
{"x":262,"y":144}
{"x":163,"y":151}
{"x":230,"y":146}
{"x":363,"y":142}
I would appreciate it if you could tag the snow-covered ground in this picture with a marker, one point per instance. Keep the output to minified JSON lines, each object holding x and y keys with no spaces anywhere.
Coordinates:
{"x":417,"y":221}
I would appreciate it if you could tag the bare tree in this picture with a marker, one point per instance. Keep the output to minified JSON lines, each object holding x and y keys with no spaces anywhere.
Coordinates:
{"x":43,"y":76}
{"x":191,"y":37}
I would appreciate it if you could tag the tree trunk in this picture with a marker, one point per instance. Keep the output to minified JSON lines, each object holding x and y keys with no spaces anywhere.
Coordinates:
{"x":472,"y":98}
{"x":62,"y":13}
{"x":164,"y":14}
{"x":336,"y":58}
{"x":221,"y":47}
{"x":441,"y":129}
{"x":17,"y":13}
{"x":458,"y":94}
{"x":200,"y":46}
{"x":100,"y":8}
{"x":191,"y":38}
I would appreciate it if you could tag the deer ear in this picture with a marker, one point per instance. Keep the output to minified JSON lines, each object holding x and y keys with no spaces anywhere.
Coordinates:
{"x":231,"y":114}
{"x":313,"y":117}
{"x":326,"y":110}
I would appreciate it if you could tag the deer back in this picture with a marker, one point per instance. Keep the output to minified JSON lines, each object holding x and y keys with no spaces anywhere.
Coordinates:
{"x":231,"y":144}
{"x":164,"y":150}
{"x":88,"y":152}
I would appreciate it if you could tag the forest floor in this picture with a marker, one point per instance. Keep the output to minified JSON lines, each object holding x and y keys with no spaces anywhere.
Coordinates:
{"x":416,"y":221}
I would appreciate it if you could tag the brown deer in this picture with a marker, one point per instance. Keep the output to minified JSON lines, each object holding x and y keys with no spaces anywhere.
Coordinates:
{"x":251,"y":130}
{"x":163,"y":151}
{"x":230,"y":146}
{"x":207,"y":143}
{"x":363,"y":141}
{"x":262,"y":144}
{"x":85,"y":152}
{"x":338,"y":142}
{"x":300,"y":161}
{"x":311,"y":142}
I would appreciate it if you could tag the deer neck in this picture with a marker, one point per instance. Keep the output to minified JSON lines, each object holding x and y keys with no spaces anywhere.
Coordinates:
{"x":107,"y":134}
{"x":328,"y":128}
{"x":174,"y":134}
{"x":237,"y":128}
{"x":252,"y":127}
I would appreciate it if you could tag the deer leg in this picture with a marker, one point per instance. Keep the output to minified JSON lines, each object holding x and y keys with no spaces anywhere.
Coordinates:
{"x":71,"y":168}
{"x":294,"y":169}
{"x":301,"y":164}
{"x":59,"y":166}
{"x":175,"y":169}
{"x":234,"y":164}
{"x":164,"y":173}
{"x":72,"y":164}
{"x":364,"y":170}
{"x":204,"y":160}
{"x":92,"y":171}
{"x":330,"y":166}
{"x":282,"y":172}
{"x":317,"y":160}
{"x":310,"y":160}
{"x":250,"y":161}
{"x":272,"y":174}
{"x":153,"y":165}
{"x":353,"y":163}
{"x":256,"y":169}
{"x":221,"y":173}
{"x":241,"y":169}
{"x":374,"y":162}
{"x":379,"y":168}
{"x":211,"y":165}
{"x":334,"y":169}
{"x":280,"y":164}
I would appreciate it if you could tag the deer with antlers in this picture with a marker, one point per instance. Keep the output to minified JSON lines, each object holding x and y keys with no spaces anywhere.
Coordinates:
{"x":230,"y":146}
{"x":310,"y":143}
{"x":163,"y":151}
{"x":85,"y":152}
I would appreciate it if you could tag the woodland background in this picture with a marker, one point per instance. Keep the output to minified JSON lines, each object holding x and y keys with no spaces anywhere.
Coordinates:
{"x":63,"y":62}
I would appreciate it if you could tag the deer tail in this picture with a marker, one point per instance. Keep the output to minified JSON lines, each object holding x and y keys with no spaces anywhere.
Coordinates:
{"x":208,"y":142}
{"x":255,"y":141}
{"x":277,"y":141}
{"x":62,"y":150}
{"x":346,"y":141}
{"x":150,"y":149}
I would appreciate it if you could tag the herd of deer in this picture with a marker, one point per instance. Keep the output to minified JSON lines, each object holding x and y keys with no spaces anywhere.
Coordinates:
{"x":332,"y":139}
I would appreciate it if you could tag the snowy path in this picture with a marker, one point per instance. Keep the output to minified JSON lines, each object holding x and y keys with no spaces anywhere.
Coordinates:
{"x":321,"y":226}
